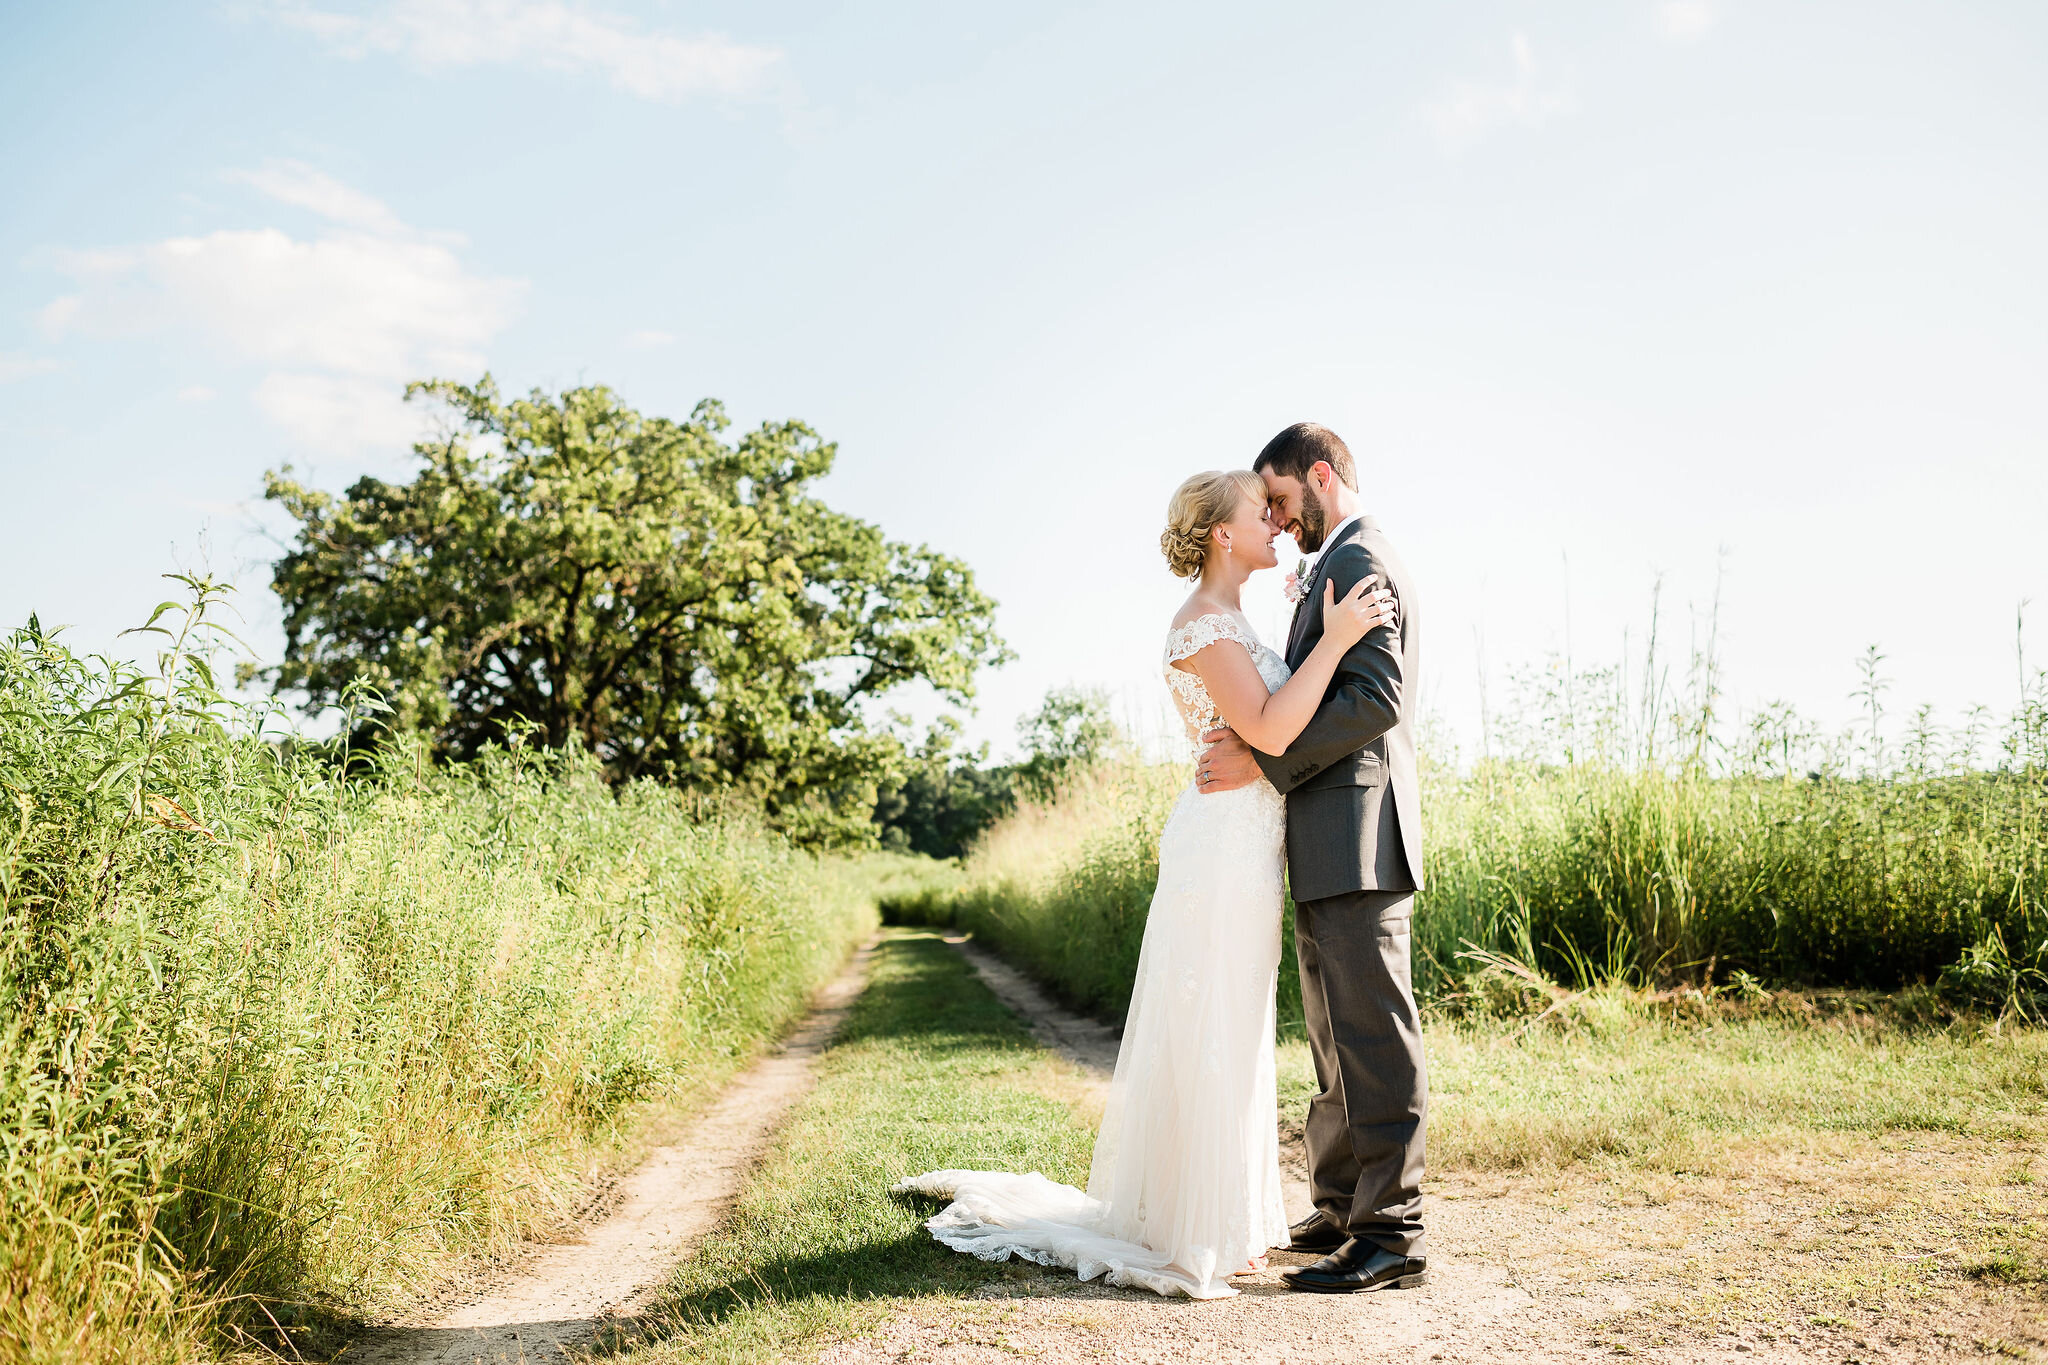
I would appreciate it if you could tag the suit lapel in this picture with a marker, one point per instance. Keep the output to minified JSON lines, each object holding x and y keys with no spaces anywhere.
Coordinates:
{"x":1311,"y":597}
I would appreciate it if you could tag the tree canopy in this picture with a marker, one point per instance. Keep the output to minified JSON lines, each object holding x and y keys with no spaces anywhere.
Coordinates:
{"x":682,"y":605}
{"x":943,"y":800}
{"x":1071,"y":730}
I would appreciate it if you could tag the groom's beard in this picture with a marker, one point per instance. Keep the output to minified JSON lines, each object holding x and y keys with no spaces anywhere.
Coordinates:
{"x":1312,"y":525}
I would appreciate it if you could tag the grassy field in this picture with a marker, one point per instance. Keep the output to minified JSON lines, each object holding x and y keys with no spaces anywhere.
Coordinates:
{"x":1621,"y":1085}
{"x":1752,"y":1164}
{"x":1061,"y":887}
{"x":279,"y":1049}
{"x":1588,"y":874}
{"x":1609,"y":836}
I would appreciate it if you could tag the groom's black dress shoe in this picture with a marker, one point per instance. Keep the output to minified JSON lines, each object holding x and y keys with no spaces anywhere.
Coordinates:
{"x":1315,"y":1233}
{"x":1355,"y":1268}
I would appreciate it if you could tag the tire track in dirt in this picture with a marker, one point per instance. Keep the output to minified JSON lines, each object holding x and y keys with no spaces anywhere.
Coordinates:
{"x":557,"y":1297}
{"x":1089,"y":1042}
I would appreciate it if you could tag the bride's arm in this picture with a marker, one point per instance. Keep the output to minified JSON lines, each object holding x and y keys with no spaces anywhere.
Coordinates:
{"x":1270,"y":721}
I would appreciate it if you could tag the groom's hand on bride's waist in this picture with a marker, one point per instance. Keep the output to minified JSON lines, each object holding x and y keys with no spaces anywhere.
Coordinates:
{"x":1226,"y":764}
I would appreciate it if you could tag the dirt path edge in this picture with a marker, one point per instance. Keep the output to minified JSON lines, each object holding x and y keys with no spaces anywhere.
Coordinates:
{"x":1088,"y":1042}
{"x":558,"y":1296}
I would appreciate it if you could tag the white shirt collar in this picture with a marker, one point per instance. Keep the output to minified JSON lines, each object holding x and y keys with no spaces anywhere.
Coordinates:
{"x":1335,"y":531}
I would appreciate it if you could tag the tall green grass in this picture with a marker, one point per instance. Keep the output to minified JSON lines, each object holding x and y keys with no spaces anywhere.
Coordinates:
{"x":1597,"y":872}
{"x":1590,"y":855}
{"x":1062,"y":885}
{"x":276,"y":1046}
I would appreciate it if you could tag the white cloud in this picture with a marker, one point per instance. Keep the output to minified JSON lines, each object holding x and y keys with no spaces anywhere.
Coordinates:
{"x":339,"y":321}
{"x":339,"y":411}
{"x":58,"y":313}
{"x":551,"y":34}
{"x":297,"y":184}
{"x":196,"y":393}
{"x":20,"y":365}
{"x":1687,"y":20}
{"x":647,"y":338}
{"x":1468,"y":111}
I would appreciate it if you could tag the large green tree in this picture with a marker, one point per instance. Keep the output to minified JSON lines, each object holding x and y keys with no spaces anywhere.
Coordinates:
{"x":683,"y":605}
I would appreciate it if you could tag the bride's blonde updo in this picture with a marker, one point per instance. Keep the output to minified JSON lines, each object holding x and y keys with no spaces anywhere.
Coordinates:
{"x":1198,"y":507}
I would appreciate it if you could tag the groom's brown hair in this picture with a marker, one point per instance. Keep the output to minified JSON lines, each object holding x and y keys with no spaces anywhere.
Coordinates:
{"x":1293,"y":451}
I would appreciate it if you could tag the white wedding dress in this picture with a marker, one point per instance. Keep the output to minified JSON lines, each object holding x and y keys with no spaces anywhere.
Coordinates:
{"x":1185,"y":1187}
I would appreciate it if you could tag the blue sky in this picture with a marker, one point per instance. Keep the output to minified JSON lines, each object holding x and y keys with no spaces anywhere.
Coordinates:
{"x":1711,"y":290}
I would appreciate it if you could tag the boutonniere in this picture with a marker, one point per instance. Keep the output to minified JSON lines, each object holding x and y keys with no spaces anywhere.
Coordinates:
{"x":1297,"y":583}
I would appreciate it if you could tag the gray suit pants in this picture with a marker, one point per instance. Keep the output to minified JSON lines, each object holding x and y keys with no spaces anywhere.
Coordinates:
{"x":1365,"y":1128}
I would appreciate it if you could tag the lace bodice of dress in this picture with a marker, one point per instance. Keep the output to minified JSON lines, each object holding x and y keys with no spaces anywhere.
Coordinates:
{"x":1190,"y":696}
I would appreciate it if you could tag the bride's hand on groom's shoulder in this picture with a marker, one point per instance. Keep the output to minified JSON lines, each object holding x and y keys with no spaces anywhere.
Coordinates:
{"x":1364,"y":609}
{"x":1226,"y":764}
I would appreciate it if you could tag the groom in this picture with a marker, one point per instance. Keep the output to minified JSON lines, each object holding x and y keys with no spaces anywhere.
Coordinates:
{"x":1354,"y":864}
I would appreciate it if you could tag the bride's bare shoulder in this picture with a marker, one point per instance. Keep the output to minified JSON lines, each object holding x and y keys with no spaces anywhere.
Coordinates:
{"x":1194,"y":609}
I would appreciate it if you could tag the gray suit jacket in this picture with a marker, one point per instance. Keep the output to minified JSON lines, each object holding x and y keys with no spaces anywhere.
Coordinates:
{"x":1354,"y":812}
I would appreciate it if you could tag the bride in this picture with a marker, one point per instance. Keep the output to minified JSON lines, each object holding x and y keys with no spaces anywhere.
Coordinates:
{"x":1185,"y":1187}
